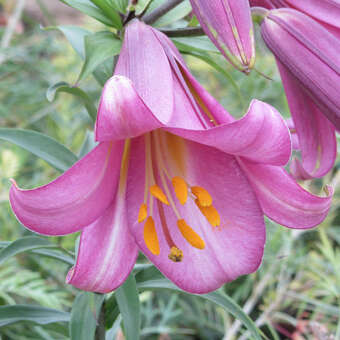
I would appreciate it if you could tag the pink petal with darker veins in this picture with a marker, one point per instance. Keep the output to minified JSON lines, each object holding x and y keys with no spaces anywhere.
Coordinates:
{"x":73,"y":200}
{"x":316,"y":134}
{"x":283,"y":200}
{"x":107,"y":251}
{"x":233,"y":249}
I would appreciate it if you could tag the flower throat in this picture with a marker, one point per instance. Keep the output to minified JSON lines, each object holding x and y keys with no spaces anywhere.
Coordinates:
{"x":165,"y":186}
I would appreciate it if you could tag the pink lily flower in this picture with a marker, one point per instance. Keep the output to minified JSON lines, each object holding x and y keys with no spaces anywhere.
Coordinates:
{"x":307,"y":57}
{"x":229,"y":26}
{"x":174,"y":175}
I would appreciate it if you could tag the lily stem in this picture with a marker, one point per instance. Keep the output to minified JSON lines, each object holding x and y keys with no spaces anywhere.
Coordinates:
{"x":160,"y":11}
{"x":100,"y":330}
{"x":184,"y":32}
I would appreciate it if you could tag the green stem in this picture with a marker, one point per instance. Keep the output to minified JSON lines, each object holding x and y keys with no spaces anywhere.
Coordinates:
{"x":184,"y":32}
{"x":100,"y":330}
{"x":160,"y":11}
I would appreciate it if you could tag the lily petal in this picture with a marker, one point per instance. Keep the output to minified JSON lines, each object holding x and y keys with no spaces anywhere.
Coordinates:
{"x":262,"y":3}
{"x":233,"y":249}
{"x":261,"y":135}
{"x":107,"y":252}
{"x":73,"y":200}
{"x":283,"y":200}
{"x":142,"y":60}
{"x":293,"y":134}
{"x":122,"y":113}
{"x":315,"y":132}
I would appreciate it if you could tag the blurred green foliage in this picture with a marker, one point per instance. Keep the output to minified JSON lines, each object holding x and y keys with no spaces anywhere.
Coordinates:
{"x":298,"y":285}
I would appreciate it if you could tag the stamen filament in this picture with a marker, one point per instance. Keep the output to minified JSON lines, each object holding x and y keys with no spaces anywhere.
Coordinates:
{"x":163,"y":180}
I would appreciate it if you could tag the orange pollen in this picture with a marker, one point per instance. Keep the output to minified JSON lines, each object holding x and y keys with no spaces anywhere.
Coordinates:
{"x":202,"y":195}
{"x":143,"y":213}
{"x":150,"y":236}
{"x":210,"y":213}
{"x":190,"y":235}
{"x":180,"y":188}
{"x":157,"y":192}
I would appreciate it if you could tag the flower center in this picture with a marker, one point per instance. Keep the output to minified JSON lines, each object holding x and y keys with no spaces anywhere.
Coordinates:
{"x":166,"y":185}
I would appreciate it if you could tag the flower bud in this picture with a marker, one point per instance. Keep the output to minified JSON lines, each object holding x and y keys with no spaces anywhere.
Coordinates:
{"x":229,"y":26}
{"x":310,"y":53}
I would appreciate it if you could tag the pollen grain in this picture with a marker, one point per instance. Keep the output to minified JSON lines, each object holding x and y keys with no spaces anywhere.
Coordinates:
{"x":190,"y":235}
{"x":202,"y":195}
{"x":150,"y":236}
{"x":180,"y":188}
{"x":157,"y":192}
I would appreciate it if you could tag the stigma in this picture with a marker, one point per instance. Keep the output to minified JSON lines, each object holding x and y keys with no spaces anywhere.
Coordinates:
{"x":166,"y":185}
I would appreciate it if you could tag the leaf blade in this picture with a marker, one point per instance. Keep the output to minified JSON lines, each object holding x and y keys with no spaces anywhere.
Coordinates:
{"x":40,"y":145}
{"x":128,"y":302}
{"x":37,"y":314}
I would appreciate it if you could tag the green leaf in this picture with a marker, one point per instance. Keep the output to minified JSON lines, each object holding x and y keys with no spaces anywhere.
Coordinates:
{"x":98,"y":47}
{"x":89,"y":9}
{"x":23,"y":244}
{"x":120,"y":5}
{"x":221,"y":300}
{"x":40,"y":315}
{"x":128,"y":302}
{"x":88,"y":144}
{"x":42,"y":146}
{"x":200,"y":44}
{"x":177,"y":13}
{"x":104,"y":71}
{"x":75,"y":35}
{"x":110,"y":11}
{"x":84,"y":315}
{"x":76,"y":91}
{"x":141,"y":6}
{"x":111,"y":311}
{"x":55,"y":254}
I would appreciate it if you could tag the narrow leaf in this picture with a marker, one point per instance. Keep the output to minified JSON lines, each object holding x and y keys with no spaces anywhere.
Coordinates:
{"x":84,"y":315}
{"x":221,"y":300}
{"x":109,"y":11}
{"x":55,"y":254}
{"x":177,"y":13}
{"x":121,"y":5}
{"x":199,"y":44}
{"x":88,"y":144}
{"x":42,"y":146}
{"x":76,"y":91}
{"x":98,"y":47}
{"x":85,"y":6}
{"x":75,"y":36}
{"x":23,"y":244}
{"x":37,"y":314}
{"x":128,"y":302}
